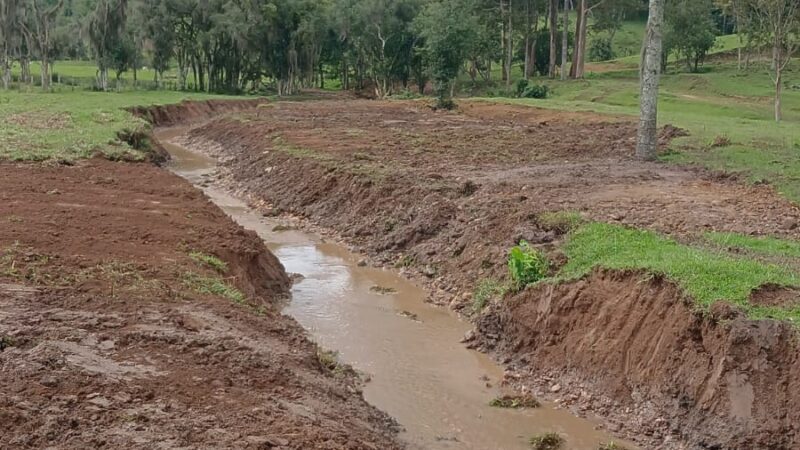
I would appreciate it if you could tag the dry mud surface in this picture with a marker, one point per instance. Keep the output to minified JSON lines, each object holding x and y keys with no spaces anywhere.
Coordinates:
{"x":105,"y":341}
{"x":444,"y":195}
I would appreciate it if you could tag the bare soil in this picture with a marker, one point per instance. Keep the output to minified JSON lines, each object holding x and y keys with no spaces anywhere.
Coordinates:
{"x":443,"y":195}
{"x":108,"y":341}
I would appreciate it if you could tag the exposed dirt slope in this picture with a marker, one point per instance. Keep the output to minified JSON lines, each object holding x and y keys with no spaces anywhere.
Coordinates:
{"x":720,"y":381}
{"x":446,"y":194}
{"x":192,"y":110}
{"x":110,"y":338}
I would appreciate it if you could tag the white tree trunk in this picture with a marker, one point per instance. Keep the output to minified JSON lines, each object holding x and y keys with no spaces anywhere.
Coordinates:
{"x":647,"y":136}
{"x":778,"y":87}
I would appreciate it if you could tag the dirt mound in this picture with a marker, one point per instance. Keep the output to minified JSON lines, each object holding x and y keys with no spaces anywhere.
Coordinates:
{"x":444,"y":195}
{"x":134,"y":314}
{"x":191,"y":110}
{"x":709,"y":382}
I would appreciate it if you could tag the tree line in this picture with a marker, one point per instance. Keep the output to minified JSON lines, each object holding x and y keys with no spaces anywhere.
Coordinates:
{"x":376,"y":45}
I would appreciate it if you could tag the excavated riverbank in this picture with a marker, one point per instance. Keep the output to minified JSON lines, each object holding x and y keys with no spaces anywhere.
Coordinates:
{"x":444,"y":195}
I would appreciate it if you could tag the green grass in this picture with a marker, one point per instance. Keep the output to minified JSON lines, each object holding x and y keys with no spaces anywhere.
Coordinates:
{"x":515,"y":402}
{"x":762,"y":244}
{"x":213,"y":286}
{"x":71,"y":125}
{"x":486,"y":290}
{"x":560,"y":221}
{"x":210,"y":261}
{"x":705,"y":275}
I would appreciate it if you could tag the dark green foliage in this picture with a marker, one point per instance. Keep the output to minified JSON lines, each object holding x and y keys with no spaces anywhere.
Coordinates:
{"x":601,"y":50}
{"x":690,"y":31}
{"x":535,"y":91}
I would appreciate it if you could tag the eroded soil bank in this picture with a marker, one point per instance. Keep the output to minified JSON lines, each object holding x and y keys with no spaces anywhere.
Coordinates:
{"x":444,"y":195}
{"x":118,"y":329}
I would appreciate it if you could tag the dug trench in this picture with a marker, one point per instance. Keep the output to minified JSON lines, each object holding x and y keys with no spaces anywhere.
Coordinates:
{"x":442,"y":196}
{"x":135,"y":314}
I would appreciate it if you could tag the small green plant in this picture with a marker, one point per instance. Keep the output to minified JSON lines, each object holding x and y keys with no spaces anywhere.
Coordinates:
{"x":547,"y":441}
{"x":560,"y":221}
{"x":329,"y":360}
{"x":522,"y":84}
{"x":611,"y":446}
{"x":514,"y":402}
{"x":485,"y":291}
{"x":213,"y":286}
{"x":210,"y":260}
{"x":526,"y":265}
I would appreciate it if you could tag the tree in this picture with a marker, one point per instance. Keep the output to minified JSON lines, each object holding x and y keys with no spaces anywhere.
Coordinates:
{"x":647,"y":135}
{"x":552,"y":15}
{"x":777,"y":23}
{"x":44,"y":14}
{"x":10,"y":35}
{"x":690,"y":31}
{"x":106,"y":31}
{"x":448,"y":28}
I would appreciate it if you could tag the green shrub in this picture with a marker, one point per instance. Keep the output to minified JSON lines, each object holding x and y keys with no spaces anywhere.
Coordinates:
{"x":526,"y":265}
{"x":522,"y":84}
{"x":601,"y":50}
{"x":535,"y":91}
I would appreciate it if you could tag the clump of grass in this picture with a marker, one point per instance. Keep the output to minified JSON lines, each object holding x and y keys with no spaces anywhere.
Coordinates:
{"x":383,"y":290}
{"x":763,"y":244}
{"x":547,"y":441}
{"x":213,"y":286}
{"x":705,"y":275}
{"x":5,"y":342}
{"x":514,"y":402}
{"x":611,"y":446}
{"x":526,"y":265}
{"x":329,"y":360}
{"x":560,"y":221}
{"x":485,"y":291}
{"x":210,"y":261}
{"x":405,"y":261}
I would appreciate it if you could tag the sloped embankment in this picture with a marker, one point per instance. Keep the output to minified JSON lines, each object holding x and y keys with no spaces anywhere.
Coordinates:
{"x":135,"y":313}
{"x":445,"y":195}
{"x":717,"y":380}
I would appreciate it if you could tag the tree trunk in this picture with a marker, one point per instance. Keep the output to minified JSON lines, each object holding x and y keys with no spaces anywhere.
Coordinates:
{"x":577,"y":45}
{"x":565,"y":42}
{"x":553,"y":15}
{"x":647,"y":136}
{"x":778,"y":88}
{"x":510,"y":49}
{"x":45,"y":70}
{"x":526,"y":71}
{"x":584,"y":12}
{"x":503,"y":39}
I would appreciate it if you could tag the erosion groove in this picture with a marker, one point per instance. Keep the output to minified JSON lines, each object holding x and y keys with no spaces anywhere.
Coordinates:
{"x":396,"y":190}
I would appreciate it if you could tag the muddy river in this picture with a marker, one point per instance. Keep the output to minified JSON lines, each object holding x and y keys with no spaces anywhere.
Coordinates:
{"x":437,"y":389}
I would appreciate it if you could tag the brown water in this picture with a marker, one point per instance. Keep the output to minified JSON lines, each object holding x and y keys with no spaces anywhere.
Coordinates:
{"x":420,"y":374}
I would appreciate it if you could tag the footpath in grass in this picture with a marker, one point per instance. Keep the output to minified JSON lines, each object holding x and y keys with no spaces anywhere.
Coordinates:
{"x":71,"y":125}
{"x":706,"y":275}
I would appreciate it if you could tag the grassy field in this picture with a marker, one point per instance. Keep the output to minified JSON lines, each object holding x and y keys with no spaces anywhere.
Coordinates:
{"x":707,"y":275}
{"x":70,"y":125}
